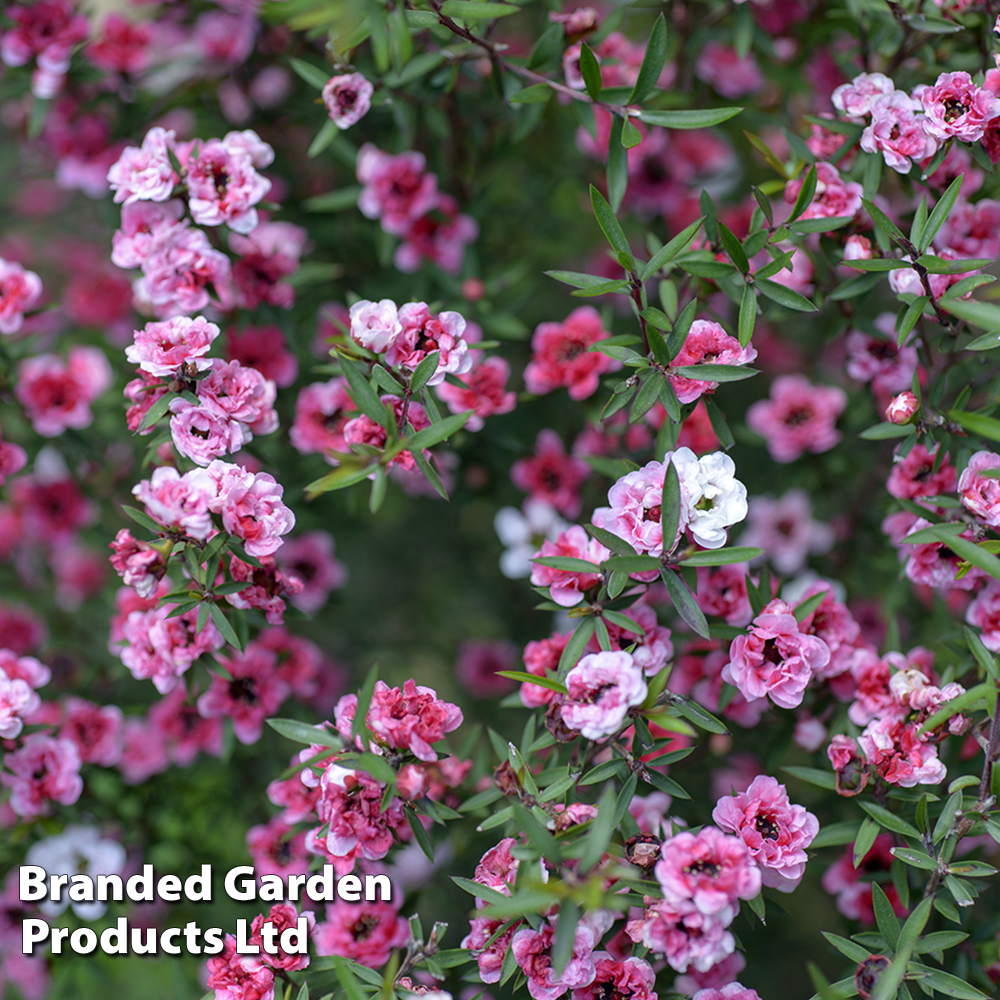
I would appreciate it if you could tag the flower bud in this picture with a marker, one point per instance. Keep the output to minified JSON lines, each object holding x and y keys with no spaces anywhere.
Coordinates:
{"x":857,"y":248}
{"x":902,"y":408}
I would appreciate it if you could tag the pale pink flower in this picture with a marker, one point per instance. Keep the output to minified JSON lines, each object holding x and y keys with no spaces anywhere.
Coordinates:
{"x":710,"y":869}
{"x":178,"y":502}
{"x":364,"y":932}
{"x":934,"y":564}
{"x":906,"y":281}
{"x":971,"y":230}
{"x":281,"y":917}
{"x":161,"y":348}
{"x":223,"y":186}
{"x":721,"y":974}
{"x":321,"y":412}
{"x":956,"y":107}
{"x":251,"y":507}
{"x":855,"y":98}
{"x":984,"y":613}
{"x":57,"y":394}
{"x":723,"y":592}
{"x":915,"y":476}
{"x":833,"y":198}
{"x":19,"y":292}
{"x":26,"y":668}
{"x":707,"y":343}
{"x":487,"y":946}
{"x":776,"y":658}
{"x":145,"y":174}
{"x":901,"y":754}
{"x":261,"y":155}
{"x":832,"y":622}
{"x":560,"y":355}
{"x":17,"y":700}
{"x":798,"y":417}
{"x":602,"y":688}
{"x":532,"y":951}
{"x":857,"y":248}
{"x":397,"y":190}
{"x":902,"y":408}
{"x":201,"y":434}
{"x":980,"y":493}
{"x":775,"y":832}
{"x":375,"y":325}
{"x":785,"y":529}
{"x":567,"y":587}
{"x":42,"y":771}
{"x":347,"y":98}
{"x":686,"y":937}
{"x":897,"y":131}
{"x":13,"y":458}
{"x":422,"y":334}
{"x":733,"y":991}
{"x":631,"y":977}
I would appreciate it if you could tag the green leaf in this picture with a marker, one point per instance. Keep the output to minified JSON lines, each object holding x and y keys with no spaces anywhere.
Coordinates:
{"x":918,"y":859}
{"x":957,"y":705}
{"x":966,"y":285}
{"x":424,"y":372}
{"x":671,"y":249}
{"x":967,"y":550}
{"x":848,"y":948}
{"x":548,"y":48}
{"x":890,"y":820}
{"x":945,"y":983}
{"x":683,"y":600}
{"x":670,"y":505}
{"x":617,"y":165}
{"x":420,"y":835}
{"x":805,"y":195}
{"x":704,"y":118}
{"x":913,"y":312}
{"x":983,"y":656}
{"x":823,"y":225}
{"x":784,"y":296}
{"x":804,"y":609}
{"x":987,"y":342}
{"x":326,"y":135}
{"x":537,"y":93}
{"x":629,"y":564}
{"x":716,"y":373}
{"x":877,"y":264}
{"x":362,"y":393}
{"x":590,"y":70}
{"x":156,"y":411}
{"x":334,"y":201}
{"x":938,"y":265}
{"x":722,"y":557}
{"x":568,"y":564}
{"x":302,"y":732}
{"x":573,"y":649}
{"x":814,"y":776}
{"x":225,"y":629}
{"x":692,"y":711}
{"x":944,"y":821}
{"x":941,"y":212}
{"x":578,"y":280}
{"x":610,"y":541}
{"x":437,"y":432}
{"x":652,"y":62}
{"x":565,"y":936}
{"x":888,"y":923}
{"x":978,"y":423}
{"x":340,"y":478}
{"x":477,"y":10}
{"x":883,"y":221}
{"x":631,"y":136}
{"x":610,"y":768}
{"x":748,"y":315}
{"x":610,"y":226}
{"x":599,"y":834}
{"x":982,"y":314}
{"x":141,"y":517}
{"x":313,"y":75}
{"x":359,"y":726}
{"x":734,"y":249}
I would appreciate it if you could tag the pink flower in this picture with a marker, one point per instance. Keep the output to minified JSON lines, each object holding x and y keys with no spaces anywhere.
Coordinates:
{"x":707,"y":343}
{"x":95,"y":731}
{"x":784,"y":528}
{"x":350,"y":803}
{"x":652,"y":648}
{"x":263,"y":348}
{"x":486,"y":392}
{"x":19,"y":292}
{"x":310,"y":558}
{"x":201,"y":434}
{"x":375,"y":325}
{"x":902,"y":408}
{"x":252,"y":693}
{"x":775,"y":832}
{"x":834,"y":198}
{"x":363,"y":430}
{"x":916,"y":477}
{"x":440,"y":237}
{"x":721,"y":974}
{"x":281,"y":917}
{"x":321,"y":412}
{"x":178,"y":502}
{"x":935,"y":565}
{"x":185,"y":732}
{"x":144,"y":752}
{"x":630,"y":979}
{"x":956,"y":107}
{"x":971,"y":230}
{"x":711,"y":870}
{"x":57,"y":394}
{"x":602,"y":688}
{"x":409,"y":718}
{"x":396,"y":191}
{"x":266,"y":588}
{"x":541,"y":658}
{"x":478,"y":664}
{"x":898,"y":131}
{"x":550,"y":475}
{"x":855,"y":98}
{"x":13,"y":459}
{"x":798,"y":417}
{"x":685,"y":936}
{"x":532,"y":954}
{"x":857,"y":248}
{"x":723,"y":592}
{"x":567,"y":587}
{"x":162,"y":348}
{"x":730,"y":74}
{"x":422,"y":334}
{"x":980,"y":493}
{"x":901,"y":754}
{"x":364,"y":932}
{"x":734,"y":991}
{"x":984,"y":613}
{"x":560,"y":356}
{"x":223,"y":185}
{"x":42,"y":771}
{"x":276,"y":849}
{"x":239,"y":977}
{"x":145,"y":174}
{"x":270,"y":252}
{"x":776,"y":659}
{"x":122,"y":47}
{"x":488,"y":946}
{"x":17,"y":700}
{"x":834,"y":624}
{"x":347,"y":98}
{"x":251,"y":507}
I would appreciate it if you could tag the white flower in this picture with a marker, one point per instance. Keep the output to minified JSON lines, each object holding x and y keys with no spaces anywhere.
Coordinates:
{"x":711,"y":495}
{"x":375,"y":325}
{"x":522,"y":533}
{"x":78,"y":850}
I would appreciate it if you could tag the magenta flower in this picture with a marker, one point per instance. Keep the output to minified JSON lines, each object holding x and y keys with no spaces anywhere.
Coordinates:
{"x":422,"y":333}
{"x":901,"y":754}
{"x":321,"y":411}
{"x":95,"y":731}
{"x":631,"y":978}
{"x":19,"y":292}
{"x":776,"y":659}
{"x":799,"y":417}
{"x":397,"y":190}
{"x":560,"y":356}
{"x":57,"y":394}
{"x":364,"y":932}
{"x":731,"y":75}
{"x":347,"y":98}
{"x":775,"y":832}
{"x":733,"y":991}
{"x":711,"y":870}
{"x":486,"y":392}
{"x":602,"y":688}
{"x":915,"y":476}
{"x":239,"y":977}
{"x":567,"y":587}
{"x":984,"y":613}
{"x":550,"y":475}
